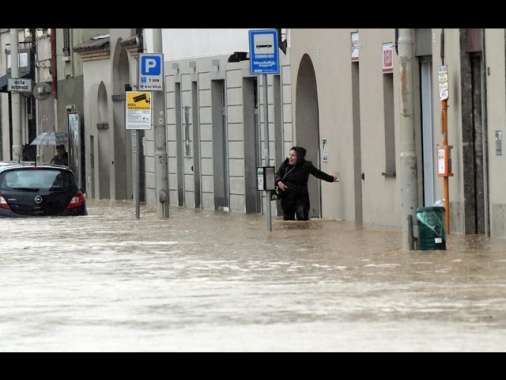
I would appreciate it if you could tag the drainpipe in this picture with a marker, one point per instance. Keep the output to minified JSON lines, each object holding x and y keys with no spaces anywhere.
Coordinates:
{"x":15,"y":98}
{"x":408,"y":171}
{"x":54,"y":78}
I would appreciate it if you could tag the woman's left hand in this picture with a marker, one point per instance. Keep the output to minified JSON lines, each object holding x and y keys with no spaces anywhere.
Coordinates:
{"x":336,"y":176}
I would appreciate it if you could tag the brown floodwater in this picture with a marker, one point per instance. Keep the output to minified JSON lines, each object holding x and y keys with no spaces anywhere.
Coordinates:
{"x":213,"y":281}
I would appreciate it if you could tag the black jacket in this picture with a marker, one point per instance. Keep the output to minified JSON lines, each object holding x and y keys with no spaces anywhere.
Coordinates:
{"x":295,"y":177}
{"x":63,"y":160}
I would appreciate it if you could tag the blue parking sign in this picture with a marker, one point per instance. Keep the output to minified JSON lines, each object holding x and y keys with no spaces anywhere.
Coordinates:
{"x":151,"y":72}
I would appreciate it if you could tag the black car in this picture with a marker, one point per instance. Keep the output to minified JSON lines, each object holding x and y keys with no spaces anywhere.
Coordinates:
{"x":31,"y":189}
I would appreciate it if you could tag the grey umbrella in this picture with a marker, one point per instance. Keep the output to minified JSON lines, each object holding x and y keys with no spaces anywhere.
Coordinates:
{"x":50,"y":138}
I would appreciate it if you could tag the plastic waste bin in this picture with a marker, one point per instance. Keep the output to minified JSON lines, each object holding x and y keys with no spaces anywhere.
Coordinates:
{"x":431,"y":228}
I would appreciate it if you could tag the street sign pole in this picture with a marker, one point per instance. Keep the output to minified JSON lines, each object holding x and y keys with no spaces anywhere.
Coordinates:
{"x":443,"y":93}
{"x":138,"y":117}
{"x":138,"y":139}
{"x":264,"y":59}
{"x":267,"y":153}
{"x":150,"y":78}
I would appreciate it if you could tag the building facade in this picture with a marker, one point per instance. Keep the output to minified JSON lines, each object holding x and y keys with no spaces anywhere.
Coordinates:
{"x":358,"y":80}
{"x":338,"y":93}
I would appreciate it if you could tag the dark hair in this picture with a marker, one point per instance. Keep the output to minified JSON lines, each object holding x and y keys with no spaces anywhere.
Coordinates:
{"x":60,"y":146}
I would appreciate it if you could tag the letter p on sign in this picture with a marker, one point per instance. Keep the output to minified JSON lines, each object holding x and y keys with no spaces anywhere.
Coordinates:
{"x":151,"y":65}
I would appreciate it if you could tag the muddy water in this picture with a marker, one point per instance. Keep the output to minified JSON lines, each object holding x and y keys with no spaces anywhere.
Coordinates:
{"x":217,"y":281}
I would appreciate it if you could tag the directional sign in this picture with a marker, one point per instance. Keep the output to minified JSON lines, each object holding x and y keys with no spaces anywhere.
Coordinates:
{"x":21,"y":85}
{"x":263,"y":51}
{"x":151,"y":72}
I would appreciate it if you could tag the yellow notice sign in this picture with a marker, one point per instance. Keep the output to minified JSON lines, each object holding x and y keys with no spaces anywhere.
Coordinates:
{"x":138,"y":110}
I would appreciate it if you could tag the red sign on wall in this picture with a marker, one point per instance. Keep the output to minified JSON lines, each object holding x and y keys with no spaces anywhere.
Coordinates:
{"x":388,"y":57}
{"x":355,"y":47}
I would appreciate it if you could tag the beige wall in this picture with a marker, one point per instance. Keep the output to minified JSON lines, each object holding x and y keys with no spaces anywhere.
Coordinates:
{"x":99,"y":107}
{"x":496,"y":113}
{"x":330,"y":52}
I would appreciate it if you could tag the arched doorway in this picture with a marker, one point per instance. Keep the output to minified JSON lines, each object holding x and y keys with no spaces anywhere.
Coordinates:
{"x":122,"y":138}
{"x":307,"y":133}
{"x":104,"y":188}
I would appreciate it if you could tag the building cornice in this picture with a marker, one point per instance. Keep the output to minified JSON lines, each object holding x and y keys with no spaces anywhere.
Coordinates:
{"x":95,"y":49}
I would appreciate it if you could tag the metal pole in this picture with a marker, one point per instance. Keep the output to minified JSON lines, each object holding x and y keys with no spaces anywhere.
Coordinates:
{"x":411,"y":236}
{"x":15,"y":96}
{"x":162,"y":201}
{"x":138,"y":138}
{"x":266,"y":152}
{"x":138,"y":141}
{"x":408,"y":154}
{"x":446,"y":189}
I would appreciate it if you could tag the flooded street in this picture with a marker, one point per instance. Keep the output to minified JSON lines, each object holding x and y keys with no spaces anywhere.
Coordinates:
{"x":222,"y":282}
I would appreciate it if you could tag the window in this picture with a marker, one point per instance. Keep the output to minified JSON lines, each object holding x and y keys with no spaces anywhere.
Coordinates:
{"x":388,"y":98}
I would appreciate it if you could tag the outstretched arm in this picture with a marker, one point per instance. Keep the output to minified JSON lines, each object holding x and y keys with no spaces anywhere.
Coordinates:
{"x":322,"y":175}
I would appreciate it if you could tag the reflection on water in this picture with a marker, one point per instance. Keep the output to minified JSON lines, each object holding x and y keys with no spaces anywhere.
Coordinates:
{"x":218,"y":281}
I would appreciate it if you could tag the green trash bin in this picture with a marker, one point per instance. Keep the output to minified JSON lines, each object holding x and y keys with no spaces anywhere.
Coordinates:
{"x":431,"y":228}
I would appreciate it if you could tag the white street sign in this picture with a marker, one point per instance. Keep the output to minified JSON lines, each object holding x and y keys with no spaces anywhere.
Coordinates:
{"x":443,"y":82}
{"x":21,"y":85}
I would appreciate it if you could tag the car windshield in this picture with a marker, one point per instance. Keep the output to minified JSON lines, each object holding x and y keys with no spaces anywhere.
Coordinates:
{"x":37,"y":180}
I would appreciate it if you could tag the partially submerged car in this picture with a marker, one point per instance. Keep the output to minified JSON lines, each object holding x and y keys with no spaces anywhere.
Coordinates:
{"x":31,"y":189}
